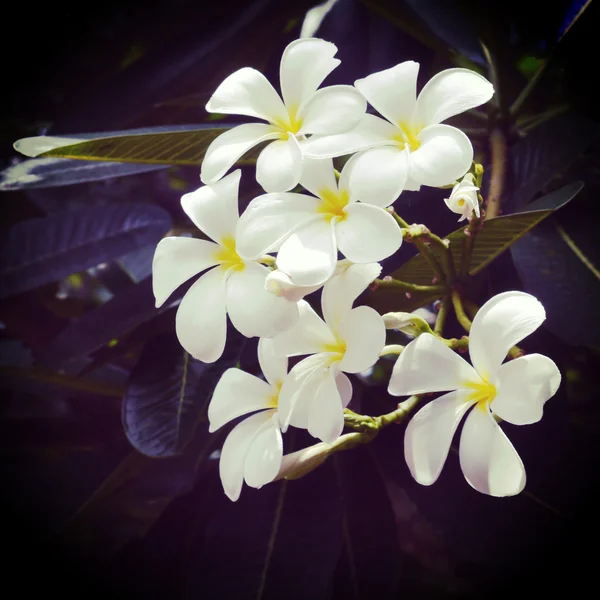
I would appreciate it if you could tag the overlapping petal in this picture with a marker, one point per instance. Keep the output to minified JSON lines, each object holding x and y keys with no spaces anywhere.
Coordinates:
{"x":368,"y":234}
{"x":253,"y":310}
{"x":230,"y":146}
{"x":428,"y":365}
{"x":392,"y":92}
{"x":363,"y":331}
{"x":176,"y":259}
{"x":233,"y":453}
{"x":429,"y":435}
{"x":247,"y":92}
{"x":378,"y":175}
{"x":368,"y":132}
{"x":273,"y":365}
{"x":450,"y":93}
{"x":309,"y":254}
{"x":340,"y":292}
{"x":201,"y":322}
{"x":214,"y":208}
{"x":500,"y":323}
{"x":344,"y":386}
{"x":326,"y":413}
{"x":524,"y":385}
{"x":304,"y":65}
{"x":237,"y":393}
{"x":445,"y":154}
{"x":310,"y":335}
{"x":279,"y":165}
{"x":265,"y":453}
{"x":332,"y":110}
{"x":318,"y":175}
{"x":488,"y":460}
{"x":269,"y":219}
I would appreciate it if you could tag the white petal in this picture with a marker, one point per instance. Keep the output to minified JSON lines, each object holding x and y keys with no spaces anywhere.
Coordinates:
{"x":363,"y":331}
{"x":318,"y":175}
{"x":201,"y":322}
{"x":499,"y":324}
{"x":214,"y":208}
{"x":273,"y":365}
{"x":429,"y":435}
{"x":310,"y":335}
{"x":344,"y":386}
{"x":392,"y":92}
{"x":377,"y":176}
{"x":326,"y":414}
{"x":428,"y":365}
{"x":309,"y":254}
{"x":340,"y":292}
{"x":233,"y":453}
{"x":264,"y":456}
{"x":450,"y":93}
{"x":524,"y":385}
{"x":248,"y":92}
{"x":368,"y":233}
{"x":298,"y":390}
{"x":332,"y":110}
{"x":253,"y":310}
{"x":176,"y":259}
{"x":237,"y":393}
{"x":280,"y":284}
{"x":230,"y":146}
{"x":269,"y":219}
{"x":488,"y":460}
{"x":279,"y":165}
{"x":368,"y":132}
{"x":304,"y":65}
{"x":444,"y":156}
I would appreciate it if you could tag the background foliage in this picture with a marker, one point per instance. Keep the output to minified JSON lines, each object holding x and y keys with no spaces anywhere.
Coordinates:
{"x":109,"y":475}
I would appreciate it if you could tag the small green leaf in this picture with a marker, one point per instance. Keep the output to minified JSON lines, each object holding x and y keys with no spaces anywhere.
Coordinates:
{"x":186,"y":147}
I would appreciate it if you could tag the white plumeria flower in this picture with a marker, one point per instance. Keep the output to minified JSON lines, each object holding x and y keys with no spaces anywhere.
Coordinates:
{"x":316,"y":391}
{"x":234,"y":287}
{"x":308,"y":230}
{"x":515,"y":391}
{"x":304,"y":110}
{"x":463,"y":199}
{"x":410,"y":147}
{"x":253,"y":450}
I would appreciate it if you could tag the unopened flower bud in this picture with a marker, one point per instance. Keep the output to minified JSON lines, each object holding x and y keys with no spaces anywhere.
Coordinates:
{"x":408,"y":323}
{"x":463,"y":199}
{"x":298,"y":464}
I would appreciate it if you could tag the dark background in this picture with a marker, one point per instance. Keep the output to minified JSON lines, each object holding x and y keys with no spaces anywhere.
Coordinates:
{"x":76,"y":68}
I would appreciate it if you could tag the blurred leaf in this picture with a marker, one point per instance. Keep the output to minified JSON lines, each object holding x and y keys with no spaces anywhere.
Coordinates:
{"x":167,"y":393}
{"x":122,"y":313}
{"x":164,"y":148}
{"x":496,"y":236}
{"x":133,"y":497}
{"x":285,"y":536}
{"x":544,"y":154}
{"x":576,"y":10}
{"x":56,"y":172}
{"x":44,"y":250}
{"x":555,"y":270}
{"x":370,"y":566}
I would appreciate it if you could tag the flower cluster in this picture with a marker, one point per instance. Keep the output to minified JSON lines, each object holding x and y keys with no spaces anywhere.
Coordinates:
{"x":257,"y":267}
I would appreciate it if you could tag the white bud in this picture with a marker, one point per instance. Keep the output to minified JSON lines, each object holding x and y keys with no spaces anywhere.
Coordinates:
{"x":463,"y":199}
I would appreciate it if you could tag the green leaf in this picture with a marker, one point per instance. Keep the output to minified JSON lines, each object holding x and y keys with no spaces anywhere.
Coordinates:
{"x":185,"y":147}
{"x":497,"y":235}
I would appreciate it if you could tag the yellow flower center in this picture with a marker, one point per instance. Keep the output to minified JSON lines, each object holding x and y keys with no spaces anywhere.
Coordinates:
{"x":291,"y":126}
{"x":408,"y":137}
{"x":483,"y":393}
{"x":227,"y":256}
{"x":274,"y":398}
{"x":461,"y":202}
{"x":333,"y":203}
{"x":337,"y":350}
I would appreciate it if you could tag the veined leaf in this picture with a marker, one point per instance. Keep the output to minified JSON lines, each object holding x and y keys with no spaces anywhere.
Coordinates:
{"x":57,"y":172}
{"x":176,"y":147}
{"x":496,"y":236}
{"x":39,"y":251}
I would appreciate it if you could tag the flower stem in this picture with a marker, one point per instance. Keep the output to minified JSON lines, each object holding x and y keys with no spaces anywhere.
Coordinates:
{"x":391,"y":349}
{"x":409,"y":287}
{"x":461,"y":316}
{"x":366,"y":424}
{"x":499,"y":150}
{"x":441,"y":316}
{"x":475,"y":224}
